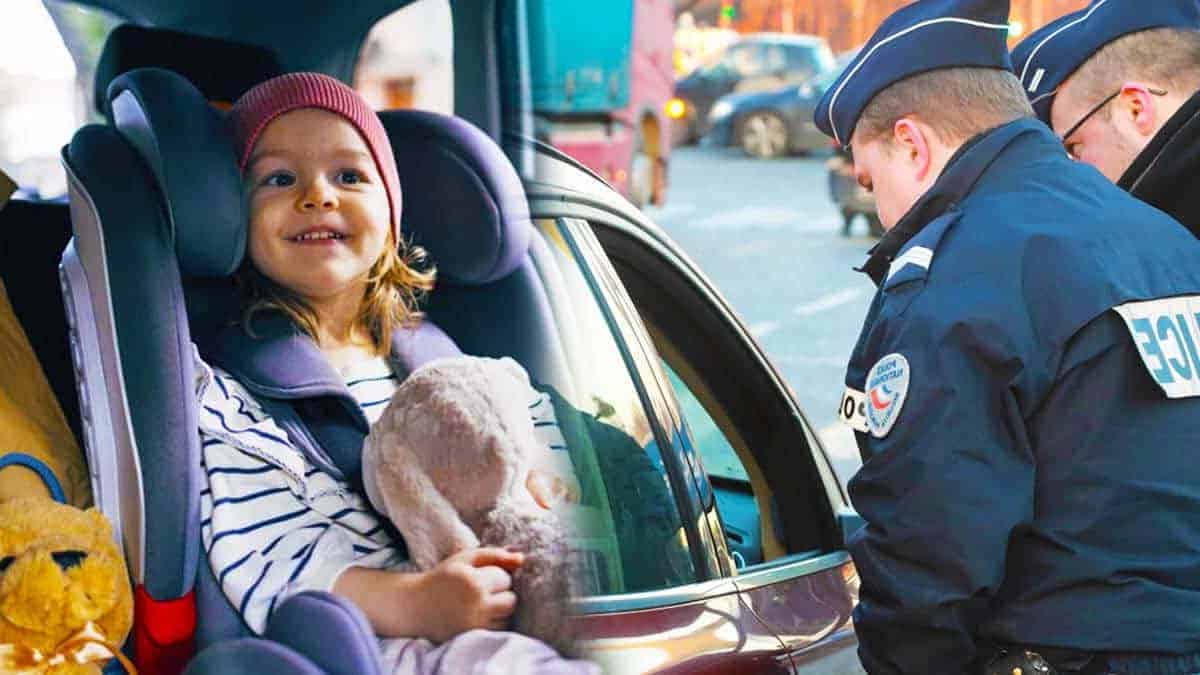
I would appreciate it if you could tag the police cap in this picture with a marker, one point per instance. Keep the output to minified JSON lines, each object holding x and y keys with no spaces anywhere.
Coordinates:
{"x":1045,"y":59}
{"x":926,"y":35}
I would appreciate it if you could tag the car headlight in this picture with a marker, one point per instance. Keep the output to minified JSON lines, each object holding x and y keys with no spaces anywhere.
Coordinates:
{"x":721,"y":110}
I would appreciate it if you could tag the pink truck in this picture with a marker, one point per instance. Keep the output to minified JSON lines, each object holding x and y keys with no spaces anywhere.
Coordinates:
{"x":602,"y":75}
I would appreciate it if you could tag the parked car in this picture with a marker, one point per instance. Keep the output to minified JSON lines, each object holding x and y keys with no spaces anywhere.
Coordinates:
{"x":759,"y":62}
{"x":725,"y":551}
{"x":771,"y":123}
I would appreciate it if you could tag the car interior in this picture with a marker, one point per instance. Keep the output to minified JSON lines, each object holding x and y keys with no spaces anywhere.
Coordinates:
{"x":147,"y":261}
{"x":146,"y":265}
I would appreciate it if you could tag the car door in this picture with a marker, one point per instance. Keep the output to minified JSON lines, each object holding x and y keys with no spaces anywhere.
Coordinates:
{"x":759,"y":491}
{"x":655,"y":595}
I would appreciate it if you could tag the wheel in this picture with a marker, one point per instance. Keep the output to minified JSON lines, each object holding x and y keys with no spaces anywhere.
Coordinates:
{"x":641,"y":173}
{"x":764,"y":135}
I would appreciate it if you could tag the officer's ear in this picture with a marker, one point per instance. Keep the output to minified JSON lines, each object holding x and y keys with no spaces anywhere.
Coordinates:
{"x":1137,"y":106}
{"x":914,"y":143}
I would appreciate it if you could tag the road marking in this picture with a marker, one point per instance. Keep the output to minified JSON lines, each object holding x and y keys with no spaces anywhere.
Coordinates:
{"x":762,"y":216}
{"x":763,"y":328}
{"x":828,"y":302}
{"x":669,"y":211}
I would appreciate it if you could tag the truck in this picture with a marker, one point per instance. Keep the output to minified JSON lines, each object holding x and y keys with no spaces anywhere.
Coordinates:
{"x":601,"y":77}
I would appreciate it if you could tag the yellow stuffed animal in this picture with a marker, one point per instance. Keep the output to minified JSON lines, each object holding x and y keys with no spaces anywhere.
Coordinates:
{"x":65,"y":601}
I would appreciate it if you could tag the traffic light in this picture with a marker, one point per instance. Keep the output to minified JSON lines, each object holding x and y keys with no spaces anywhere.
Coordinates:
{"x":729,"y":12}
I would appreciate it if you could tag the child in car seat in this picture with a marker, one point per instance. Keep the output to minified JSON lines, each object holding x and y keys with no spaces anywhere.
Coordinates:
{"x":328,"y":287}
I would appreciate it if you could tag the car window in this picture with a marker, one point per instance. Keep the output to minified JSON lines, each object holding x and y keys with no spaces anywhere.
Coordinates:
{"x":628,"y":530}
{"x":775,"y":59}
{"x":737,"y":503}
{"x":773,"y":486}
{"x":407,"y":60}
{"x":48,"y":58}
{"x":746,"y":60}
{"x":802,"y":61}
{"x":716,"y":453}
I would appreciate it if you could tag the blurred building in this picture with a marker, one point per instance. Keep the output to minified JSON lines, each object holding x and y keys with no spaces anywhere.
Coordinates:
{"x":845,"y":23}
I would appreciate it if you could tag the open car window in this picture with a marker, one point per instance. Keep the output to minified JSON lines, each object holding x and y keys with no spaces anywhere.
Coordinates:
{"x":48,"y":56}
{"x":774,"y":489}
{"x":628,"y":533}
{"x":407,"y":60}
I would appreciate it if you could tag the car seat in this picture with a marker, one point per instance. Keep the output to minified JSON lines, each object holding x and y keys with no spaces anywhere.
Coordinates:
{"x":159,"y":228}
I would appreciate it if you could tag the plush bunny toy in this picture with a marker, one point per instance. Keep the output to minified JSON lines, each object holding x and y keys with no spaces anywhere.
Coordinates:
{"x":452,"y":461}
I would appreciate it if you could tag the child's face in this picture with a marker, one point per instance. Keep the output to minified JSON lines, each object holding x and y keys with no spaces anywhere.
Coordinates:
{"x":319,"y":213}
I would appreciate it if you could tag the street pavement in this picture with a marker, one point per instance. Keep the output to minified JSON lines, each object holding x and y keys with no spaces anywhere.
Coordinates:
{"x":766,"y":233}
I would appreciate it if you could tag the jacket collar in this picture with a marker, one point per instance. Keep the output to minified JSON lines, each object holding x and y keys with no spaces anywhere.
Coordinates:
{"x":280,"y":361}
{"x":1166,"y":174}
{"x":286,"y":371}
{"x":275,"y":359}
{"x":962,"y":172}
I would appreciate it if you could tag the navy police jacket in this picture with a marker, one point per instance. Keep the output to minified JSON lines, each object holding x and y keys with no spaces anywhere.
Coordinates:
{"x":1024,"y":394}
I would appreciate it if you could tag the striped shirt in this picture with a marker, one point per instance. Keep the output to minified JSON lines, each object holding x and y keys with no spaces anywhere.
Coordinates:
{"x":272,"y":523}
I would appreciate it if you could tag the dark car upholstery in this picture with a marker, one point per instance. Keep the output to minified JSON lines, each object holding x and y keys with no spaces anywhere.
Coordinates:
{"x":32,"y":237}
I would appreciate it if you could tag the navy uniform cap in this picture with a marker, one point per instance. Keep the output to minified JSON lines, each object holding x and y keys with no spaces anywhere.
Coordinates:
{"x":926,"y":35}
{"x":1045,"y":59}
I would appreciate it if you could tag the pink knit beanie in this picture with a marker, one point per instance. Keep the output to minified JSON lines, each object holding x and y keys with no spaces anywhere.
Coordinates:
{"x":262,"y":104}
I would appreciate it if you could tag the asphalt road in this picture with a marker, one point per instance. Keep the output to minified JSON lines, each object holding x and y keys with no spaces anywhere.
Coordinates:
{"x":768,"y":236}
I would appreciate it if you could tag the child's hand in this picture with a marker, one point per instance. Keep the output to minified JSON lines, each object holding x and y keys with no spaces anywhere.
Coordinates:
{"x":471,"y":589}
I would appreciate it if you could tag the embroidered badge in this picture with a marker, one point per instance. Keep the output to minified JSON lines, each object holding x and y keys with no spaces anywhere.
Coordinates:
{"x":887,"y":387}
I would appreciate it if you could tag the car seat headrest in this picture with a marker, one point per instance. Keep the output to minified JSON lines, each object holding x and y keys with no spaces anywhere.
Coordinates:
{"x":463,"y":200}
{"x":188,"y":148}
{"x":220,"y":69}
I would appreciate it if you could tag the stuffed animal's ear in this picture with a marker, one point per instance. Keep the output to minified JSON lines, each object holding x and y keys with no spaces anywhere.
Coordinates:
{"x":515,"y":368}
{"x":99,"y":522}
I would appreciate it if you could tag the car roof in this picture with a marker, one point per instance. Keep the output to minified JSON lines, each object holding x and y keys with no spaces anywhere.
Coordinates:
{"x":799,"y":39}
{"x":303,"y":34}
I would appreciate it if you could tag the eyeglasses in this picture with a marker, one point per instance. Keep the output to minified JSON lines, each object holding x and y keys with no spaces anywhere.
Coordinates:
{"x":1097,"y":108}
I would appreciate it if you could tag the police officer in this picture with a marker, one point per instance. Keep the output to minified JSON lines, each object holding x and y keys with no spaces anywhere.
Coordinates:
{"x":1118,"y":82}
{"x":1026,"y":388}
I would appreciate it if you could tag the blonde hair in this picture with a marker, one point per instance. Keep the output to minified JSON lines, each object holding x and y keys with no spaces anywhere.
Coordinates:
{"x":395,"y":286}
{"x":958,"y":103}
{"x":1168,"y":57}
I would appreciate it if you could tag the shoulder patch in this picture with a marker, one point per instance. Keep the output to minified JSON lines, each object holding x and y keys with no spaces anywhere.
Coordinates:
{"x":1167,"y":334}
{"x":887,"y":387}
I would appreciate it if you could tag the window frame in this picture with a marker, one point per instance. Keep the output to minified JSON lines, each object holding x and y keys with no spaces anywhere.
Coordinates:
{"x":563,"y":188}
{"x":664,"y":423}
{"x":816,"y":477}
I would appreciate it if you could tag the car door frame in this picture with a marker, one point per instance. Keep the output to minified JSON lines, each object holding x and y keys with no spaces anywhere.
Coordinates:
{"x":782,"y":582}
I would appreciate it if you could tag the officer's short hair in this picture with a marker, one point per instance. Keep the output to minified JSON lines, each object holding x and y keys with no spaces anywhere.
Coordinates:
{"x":1168,"y":57}
{"x":958,"y":103}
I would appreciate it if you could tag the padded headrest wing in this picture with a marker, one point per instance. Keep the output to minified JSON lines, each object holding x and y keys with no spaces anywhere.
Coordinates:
{"x":220,"y":69}
{"x":463,"y":200}
{"x":189,"y":151}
